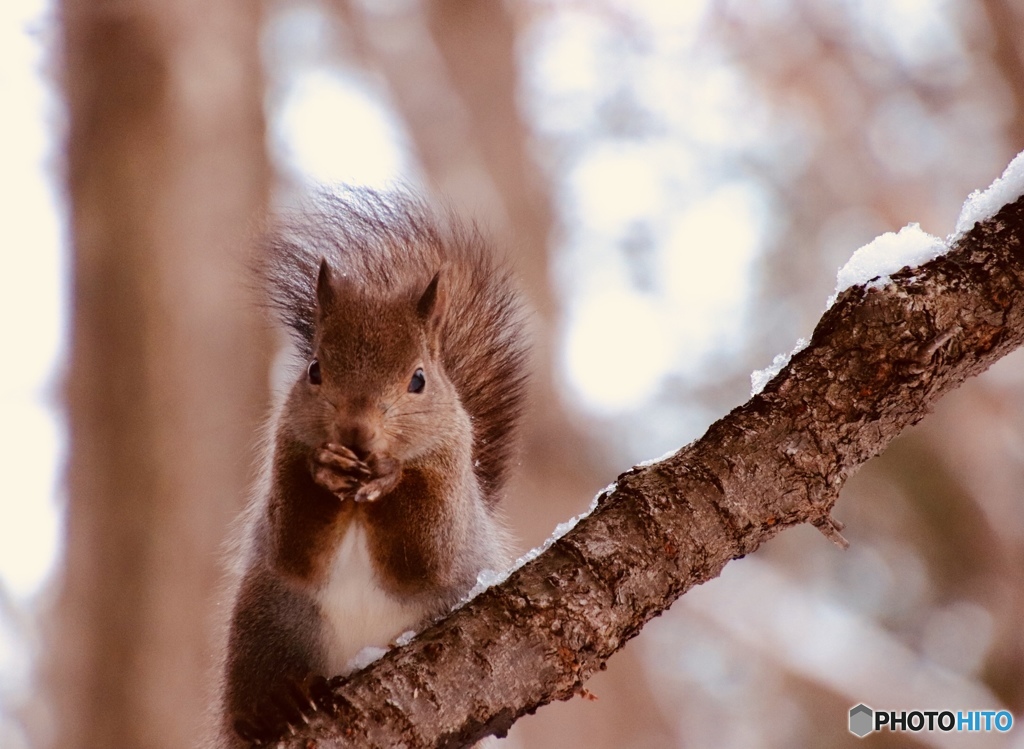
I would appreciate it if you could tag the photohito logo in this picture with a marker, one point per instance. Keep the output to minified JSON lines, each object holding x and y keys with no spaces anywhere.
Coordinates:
{"x":864,"y":720}
{"x":861,"y":720}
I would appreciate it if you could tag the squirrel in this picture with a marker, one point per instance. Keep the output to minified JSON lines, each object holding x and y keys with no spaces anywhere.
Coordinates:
{"x":386,"y":458}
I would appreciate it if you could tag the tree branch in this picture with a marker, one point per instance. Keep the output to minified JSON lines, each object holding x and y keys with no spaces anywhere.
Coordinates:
{"x":878,"y":360}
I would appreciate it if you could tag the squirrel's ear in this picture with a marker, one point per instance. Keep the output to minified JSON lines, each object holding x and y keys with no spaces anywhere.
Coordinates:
{"x":433,"y":305}
{"x":324,"y":286}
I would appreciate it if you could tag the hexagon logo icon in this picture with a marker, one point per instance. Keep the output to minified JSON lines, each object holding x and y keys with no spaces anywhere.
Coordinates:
{"x":862,"y":720}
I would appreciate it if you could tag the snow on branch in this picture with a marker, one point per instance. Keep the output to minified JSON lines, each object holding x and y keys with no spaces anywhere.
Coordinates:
{"x":878,"y":360}
{"x":871,"y":265}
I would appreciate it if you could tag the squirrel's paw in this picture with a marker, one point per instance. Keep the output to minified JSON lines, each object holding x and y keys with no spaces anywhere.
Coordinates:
{"x":337,"y":469}
{"x":386,"y":474}
{"x":285,"y":710}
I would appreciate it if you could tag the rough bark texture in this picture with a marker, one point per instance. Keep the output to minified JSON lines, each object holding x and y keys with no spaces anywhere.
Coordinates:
{"x":877,"y":362}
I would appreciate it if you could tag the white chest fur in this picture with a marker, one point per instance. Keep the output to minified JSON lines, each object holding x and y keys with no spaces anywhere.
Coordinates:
{"x":358,"y":612}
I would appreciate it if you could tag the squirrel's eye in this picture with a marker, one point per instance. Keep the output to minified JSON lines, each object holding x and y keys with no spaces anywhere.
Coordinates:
{"x":418,"y":382}
{"x":313,"y":372}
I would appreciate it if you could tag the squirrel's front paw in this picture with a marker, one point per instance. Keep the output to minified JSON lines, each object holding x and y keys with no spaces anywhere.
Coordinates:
{"x":386,"y":474}
{"x":337,"y":469}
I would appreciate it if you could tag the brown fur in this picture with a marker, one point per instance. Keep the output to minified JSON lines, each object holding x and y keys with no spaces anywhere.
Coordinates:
{"x":308,"y":521}
{"x":396,"y":483}
{"x":392,"y":245}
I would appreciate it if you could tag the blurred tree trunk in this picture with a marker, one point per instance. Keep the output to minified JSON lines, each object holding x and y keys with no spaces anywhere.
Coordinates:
{"x":1006,"y":17}
{"x":167,"y":178}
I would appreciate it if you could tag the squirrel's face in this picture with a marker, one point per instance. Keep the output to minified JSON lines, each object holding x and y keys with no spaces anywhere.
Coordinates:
{"x":376,"y":382}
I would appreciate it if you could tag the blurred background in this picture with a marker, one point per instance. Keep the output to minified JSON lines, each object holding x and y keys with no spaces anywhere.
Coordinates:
{"x":677,"y":184}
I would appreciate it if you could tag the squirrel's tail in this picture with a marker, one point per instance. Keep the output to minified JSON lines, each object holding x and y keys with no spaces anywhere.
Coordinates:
{"x":392,"y":242}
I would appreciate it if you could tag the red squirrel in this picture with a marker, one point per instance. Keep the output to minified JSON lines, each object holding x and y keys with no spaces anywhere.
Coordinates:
{"x":387,"y":456}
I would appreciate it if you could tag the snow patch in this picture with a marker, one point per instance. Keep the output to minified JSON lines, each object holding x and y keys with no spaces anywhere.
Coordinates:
{"x":982,"y":205}
{"x":484,"y":580}
{"x":910,"y":247}
{"x":761,"y":377}
{"x":364,"y":658}
{"x":872,"y":263}
{"x":652,"y":461}
{"x":405,"y":638}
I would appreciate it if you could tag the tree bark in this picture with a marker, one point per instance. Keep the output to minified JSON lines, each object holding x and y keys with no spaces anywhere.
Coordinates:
{"x":877,"y":361}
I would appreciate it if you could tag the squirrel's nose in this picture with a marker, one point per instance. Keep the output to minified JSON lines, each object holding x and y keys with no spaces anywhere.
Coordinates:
{"x":359,"y":439}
